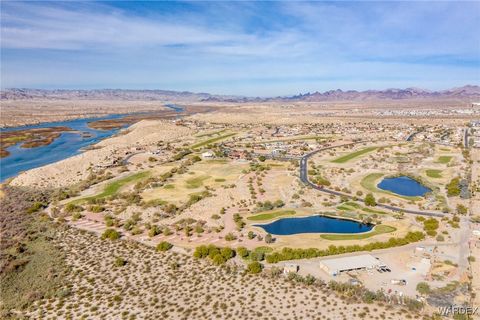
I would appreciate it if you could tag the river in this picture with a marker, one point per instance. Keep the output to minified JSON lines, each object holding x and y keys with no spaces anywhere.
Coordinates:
{"x":65,"y":146}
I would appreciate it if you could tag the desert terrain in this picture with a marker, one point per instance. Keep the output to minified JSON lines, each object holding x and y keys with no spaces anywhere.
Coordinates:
{"x":168,"y":216}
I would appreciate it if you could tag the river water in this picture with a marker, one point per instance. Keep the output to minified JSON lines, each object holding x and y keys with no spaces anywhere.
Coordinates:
{"x":65,"y":146}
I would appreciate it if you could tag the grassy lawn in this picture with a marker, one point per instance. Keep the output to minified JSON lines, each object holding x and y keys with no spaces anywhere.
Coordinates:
{"x":211,"y":133}
{"x":433,"y":173}
{"x":212,"y":140}
{"x":271,"y":215}
{"x":369,"y":182}
{"x":196,"y":182}
{"x":353,"y":155}
{"x":380,"y":229}
{"x":113,"y":187}
{"x":444,"y":159}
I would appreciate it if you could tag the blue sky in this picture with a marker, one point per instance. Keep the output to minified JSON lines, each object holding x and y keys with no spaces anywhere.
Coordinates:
{"x":245,"y":48}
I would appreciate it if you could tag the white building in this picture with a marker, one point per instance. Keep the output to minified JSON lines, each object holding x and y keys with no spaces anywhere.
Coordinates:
{"x":338,"y":265}
{"x":207,"y":155}
{"x":290,"y":267}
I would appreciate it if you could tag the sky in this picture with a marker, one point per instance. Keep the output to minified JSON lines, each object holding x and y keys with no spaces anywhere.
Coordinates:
{"x":241,"y":48}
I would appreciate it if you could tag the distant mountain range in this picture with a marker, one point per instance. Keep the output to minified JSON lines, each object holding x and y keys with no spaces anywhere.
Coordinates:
{"x":465,"y":92}
{"x":468,"y":91}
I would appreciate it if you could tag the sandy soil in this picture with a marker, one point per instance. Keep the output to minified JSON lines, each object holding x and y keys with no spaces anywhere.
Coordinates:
{"x":175,"y":286}
{"x":75,"y":169}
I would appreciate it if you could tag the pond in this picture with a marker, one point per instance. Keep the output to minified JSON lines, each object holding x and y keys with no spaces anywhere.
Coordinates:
{"x":314,"y":224}
{"x":404,"y":186}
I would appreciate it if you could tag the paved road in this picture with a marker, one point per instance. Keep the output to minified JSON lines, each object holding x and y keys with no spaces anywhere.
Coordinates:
{"x":305,"y":180}
{"x":465,"y":138}
{"x":127,"y":158}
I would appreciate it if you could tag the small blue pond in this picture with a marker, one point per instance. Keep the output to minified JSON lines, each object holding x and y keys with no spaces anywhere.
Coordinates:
{"x":403,"y":186}
{"x":314,"y":224}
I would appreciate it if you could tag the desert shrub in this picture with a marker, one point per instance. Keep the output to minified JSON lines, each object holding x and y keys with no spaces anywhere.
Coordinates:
{"x":254,"y":267}
{"x":111,"y":234}
{"x":461,"y":209}
{"x":70,"y":208}
{"x":120,"y":262}
{"x":36,"y":206}
{"x":76,"y":216}
{"x":268,"y":238}
{"x":230,"y":237}
{"x":423,"y":288}
{"x":154,"y":230}
{"x":97,"y":208}
{"x":164,"y":246}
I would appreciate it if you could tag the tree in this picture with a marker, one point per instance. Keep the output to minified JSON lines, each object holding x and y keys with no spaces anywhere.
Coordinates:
{"x":164,"y":246}
{"x":256,"y":255}
{"x":254,"y":267}
{"x":268,"y":238}
{"x":423,"y":288}
{"x":242,"y":252}
{"x":218,"y":259}
{"x":201,"y":252}
{"x":262,"y":158}
{"x":227,"y":253}
{"x":251,"y":235}
{"x":370,"y":200}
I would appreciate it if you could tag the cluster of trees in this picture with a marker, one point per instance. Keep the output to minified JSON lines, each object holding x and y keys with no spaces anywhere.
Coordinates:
{"x":238,"y":221}
{"x":362,"y":294}
{"x":293,"y":254}
{"x":430,"y":225}
{"x":181,"y":154}
{"x":216,"y":254}
{"x":252,"y":255}
{"x":268,"y":205}
{"x":453,"y":187}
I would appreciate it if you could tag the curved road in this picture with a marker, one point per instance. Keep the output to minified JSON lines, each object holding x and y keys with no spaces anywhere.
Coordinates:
{"x":305,"y":180}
